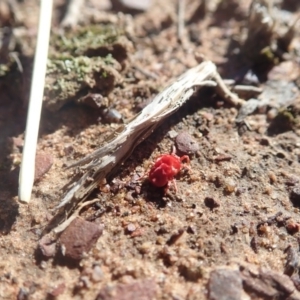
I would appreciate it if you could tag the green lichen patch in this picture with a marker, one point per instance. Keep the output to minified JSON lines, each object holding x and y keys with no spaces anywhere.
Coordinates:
{"x":70,"y":78}
{"x":4,"y":69}
{"x":91,"y":41}
{"x":87,"y":60}
{"x":287,"y":119}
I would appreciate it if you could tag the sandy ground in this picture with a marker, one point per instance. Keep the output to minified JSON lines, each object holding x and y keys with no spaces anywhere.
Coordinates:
{"x":231,"y":231}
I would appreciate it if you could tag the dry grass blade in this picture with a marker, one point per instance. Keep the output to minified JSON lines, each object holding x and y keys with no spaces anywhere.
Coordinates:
{"x":26,"y":177}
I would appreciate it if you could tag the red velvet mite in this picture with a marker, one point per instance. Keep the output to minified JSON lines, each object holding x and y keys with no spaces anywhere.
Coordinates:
{"x":165,"y":168}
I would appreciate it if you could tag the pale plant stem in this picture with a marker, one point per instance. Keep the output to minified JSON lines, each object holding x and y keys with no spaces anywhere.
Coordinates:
{"x":26,"y":176}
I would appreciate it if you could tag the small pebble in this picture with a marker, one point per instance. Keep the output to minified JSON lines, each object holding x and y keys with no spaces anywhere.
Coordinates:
{"x":97,"y":274}
{"x":295,"y":196}
{"x":47,"y":246}
{"x":43,"y":265}
{"x":225,"y":284}
{"x":186,"y":144}
{"x":273,"y":177}
{"x":105,"y":188}
{"x":85,"y":282}
{"x":43,"y":163}
{"x":250,"y":78}
{"x":111,"y":116}
{"x":131,"y":227}
{"x":208,"y":116}
{"x":230,"y":186}
{"x":264,"y":141}
{"x":292,"y":227}
{"x":172,"y":134}
{"x":272,"y":113}
{"x":79,"y":238}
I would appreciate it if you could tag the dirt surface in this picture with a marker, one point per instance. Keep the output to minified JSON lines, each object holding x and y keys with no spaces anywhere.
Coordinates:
{"x":232,"y":228}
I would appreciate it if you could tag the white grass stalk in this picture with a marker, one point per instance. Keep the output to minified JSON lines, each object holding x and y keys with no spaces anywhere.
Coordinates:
{"x":26,"y":176}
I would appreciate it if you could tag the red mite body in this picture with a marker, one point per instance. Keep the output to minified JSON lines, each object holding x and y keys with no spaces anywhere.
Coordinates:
{"x":165,"y":168}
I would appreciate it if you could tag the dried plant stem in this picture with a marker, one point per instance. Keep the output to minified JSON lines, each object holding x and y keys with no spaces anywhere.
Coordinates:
{"x":180,"y":20}
{"x":26,"y":176}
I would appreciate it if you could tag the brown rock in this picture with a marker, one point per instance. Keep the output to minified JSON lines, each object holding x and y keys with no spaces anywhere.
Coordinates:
{"x":79,"y":238}
{"x":292,"y":261}
{"x":254,"y":286}
{"x":267,"y":284}
{"x":43,"y":163}
{"x":47,"y":245}
{"x":282,"y":282}
{"x":295,"y":196}
{"x":141,"y":290}
{"x":225,"y":284}
{"x":185,"y":143}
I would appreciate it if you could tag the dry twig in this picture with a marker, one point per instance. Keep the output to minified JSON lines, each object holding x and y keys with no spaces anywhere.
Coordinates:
{"x":26,"y":176}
